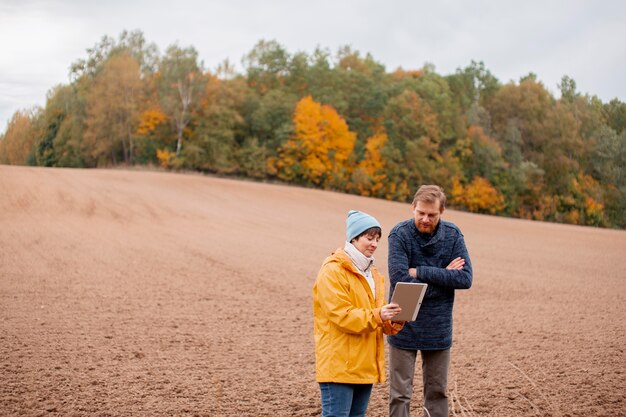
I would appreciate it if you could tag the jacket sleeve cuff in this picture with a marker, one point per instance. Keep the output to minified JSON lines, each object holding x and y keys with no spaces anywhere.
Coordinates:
{"x":392,"y":327}
{"x":377,"y":316}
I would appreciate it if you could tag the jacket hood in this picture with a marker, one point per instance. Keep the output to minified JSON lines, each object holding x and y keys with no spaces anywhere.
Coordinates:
{"x":341,"y":257}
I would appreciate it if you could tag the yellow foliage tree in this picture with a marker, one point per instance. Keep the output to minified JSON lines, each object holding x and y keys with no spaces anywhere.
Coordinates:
{"x":165,"y":157}
{"x":18,"y":142}
{"x":149,"y":120}
{"x":369,"y":178}
{"x":319,"y":150}
{"x":479,"y":196}
{"x":112,"y":109}
{"x":583,"y":204}
{"x":457,"y":191}
{"x":400,"y":74}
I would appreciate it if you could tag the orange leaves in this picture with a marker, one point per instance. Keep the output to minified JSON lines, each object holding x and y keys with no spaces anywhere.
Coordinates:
{"x":17,"y":142}
{"x":583,"y":203}
{"x":373,"y":161}
{"x":593,"y":208}
{"x":479,"y":196}
{"x":368,"y":179}
{"x":149,"y":120}
{"x":401,"y":74}
{"x":319,"y":150}
{"x":165,"y":157}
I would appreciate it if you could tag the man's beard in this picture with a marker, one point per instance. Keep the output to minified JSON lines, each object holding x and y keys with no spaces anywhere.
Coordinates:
{"x":426,"y":228}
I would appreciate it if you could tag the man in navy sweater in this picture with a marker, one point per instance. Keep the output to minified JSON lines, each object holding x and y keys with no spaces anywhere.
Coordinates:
{"x":429,"y":250}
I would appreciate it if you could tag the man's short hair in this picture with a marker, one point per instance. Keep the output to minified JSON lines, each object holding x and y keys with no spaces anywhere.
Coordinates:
{"x":430,"y":194}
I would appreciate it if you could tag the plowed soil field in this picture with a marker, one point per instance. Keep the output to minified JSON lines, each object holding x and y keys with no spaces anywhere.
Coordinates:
{"x":139,"y":293}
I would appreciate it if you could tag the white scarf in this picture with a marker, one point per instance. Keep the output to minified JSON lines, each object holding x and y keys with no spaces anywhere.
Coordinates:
{"x":362,"y":263}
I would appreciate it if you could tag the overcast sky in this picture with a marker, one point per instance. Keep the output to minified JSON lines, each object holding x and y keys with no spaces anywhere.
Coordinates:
{"x":585,"y":40}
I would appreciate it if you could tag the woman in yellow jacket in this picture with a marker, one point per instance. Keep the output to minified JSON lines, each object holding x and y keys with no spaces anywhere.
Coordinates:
{"x":350,"y":318}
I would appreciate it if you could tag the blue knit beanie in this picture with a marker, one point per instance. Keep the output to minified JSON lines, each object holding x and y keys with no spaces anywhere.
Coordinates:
{"x":358,"y":222}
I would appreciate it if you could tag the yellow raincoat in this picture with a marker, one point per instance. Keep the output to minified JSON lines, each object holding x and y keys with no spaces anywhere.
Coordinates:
{"x":348,"y":330}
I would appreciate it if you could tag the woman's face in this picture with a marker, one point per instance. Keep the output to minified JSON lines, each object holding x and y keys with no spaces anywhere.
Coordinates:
{"x":367,"y":244}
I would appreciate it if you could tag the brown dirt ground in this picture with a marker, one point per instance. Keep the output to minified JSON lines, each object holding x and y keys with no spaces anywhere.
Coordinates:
{"x":142,"y":293}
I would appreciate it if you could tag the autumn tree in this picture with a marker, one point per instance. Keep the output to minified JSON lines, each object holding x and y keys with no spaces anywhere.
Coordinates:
{"x":370,"y":178}
{"x":530,"y":105}
{"x":132,"y":43}
{"x":180,"y":84}
{"x":408,"y":118}
{"x":473,"y":87}
{"x":480,"y":155}
{"x":270,"y":118}
{"x":434,"y":91}
{"x":609,"y":167}
{"x":547,"y":134}
{"x":510,"y":149}
{"x":529,"y":197}
{"x":360,"y":92}
{"x":583,"y":204}
{"x":213,"y":143}
{"x":479,"y":196}
{"x":266,"y":66}
{"x":615,"y":114}
{"x":298,"y":79}
{"x":152,"y":133}
{"x":319,"y":151}
{"x":17,"y":143}
{"x":324,"y":79}
{"x":411,"y":154}
{"x":60,"y":143}
{"x":113,"y":110}
{"x":64,"y":118}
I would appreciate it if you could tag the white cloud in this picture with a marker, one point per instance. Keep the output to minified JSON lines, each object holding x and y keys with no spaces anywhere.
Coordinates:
{"x":583,"y":39}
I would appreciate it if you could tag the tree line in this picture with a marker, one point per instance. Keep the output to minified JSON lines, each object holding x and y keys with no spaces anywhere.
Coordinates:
{"x":336,"y":121}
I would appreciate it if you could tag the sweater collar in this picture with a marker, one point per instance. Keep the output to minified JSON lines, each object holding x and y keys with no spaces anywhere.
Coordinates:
{"x":362,"y":262}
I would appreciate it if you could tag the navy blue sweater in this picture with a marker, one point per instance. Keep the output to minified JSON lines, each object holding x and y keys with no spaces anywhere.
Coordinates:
{"x":408,"y":248}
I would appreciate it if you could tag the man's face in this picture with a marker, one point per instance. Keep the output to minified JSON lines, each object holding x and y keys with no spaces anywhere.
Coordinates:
{"x":426,"y":216}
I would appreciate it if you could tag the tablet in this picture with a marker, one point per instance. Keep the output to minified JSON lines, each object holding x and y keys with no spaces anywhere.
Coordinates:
{"x":409,"y":296}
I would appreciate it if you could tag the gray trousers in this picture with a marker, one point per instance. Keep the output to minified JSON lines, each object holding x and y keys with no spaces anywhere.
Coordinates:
{"x":435,"y":365}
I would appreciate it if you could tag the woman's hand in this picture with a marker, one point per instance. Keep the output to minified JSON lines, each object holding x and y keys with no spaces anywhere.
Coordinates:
{"x":389,"y":311}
